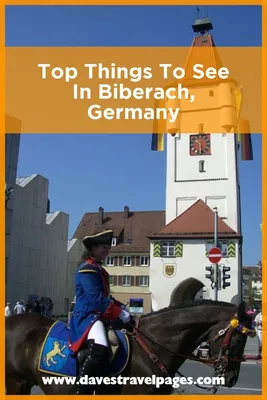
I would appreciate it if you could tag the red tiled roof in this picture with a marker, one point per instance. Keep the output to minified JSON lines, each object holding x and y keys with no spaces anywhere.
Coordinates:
{"x":196,"y":222}
{"x":203,"y":51}
{"x":136,"y":228}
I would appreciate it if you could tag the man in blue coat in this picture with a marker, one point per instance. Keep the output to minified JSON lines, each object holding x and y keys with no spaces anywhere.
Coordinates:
{"x":94,"y":308}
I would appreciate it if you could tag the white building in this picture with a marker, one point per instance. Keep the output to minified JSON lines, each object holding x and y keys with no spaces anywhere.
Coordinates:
{"x":38,"y":246}
{"x":202,"y":173}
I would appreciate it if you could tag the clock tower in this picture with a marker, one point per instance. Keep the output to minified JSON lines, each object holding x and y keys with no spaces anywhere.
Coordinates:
{"x":203,"y":165}
{"x":201,"y":174}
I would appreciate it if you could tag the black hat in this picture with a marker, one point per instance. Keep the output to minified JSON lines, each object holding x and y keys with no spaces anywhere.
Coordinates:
{"x":102,"y":238}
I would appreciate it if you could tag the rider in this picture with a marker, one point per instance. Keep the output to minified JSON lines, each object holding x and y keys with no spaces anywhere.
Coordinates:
{"x":93,"y":308}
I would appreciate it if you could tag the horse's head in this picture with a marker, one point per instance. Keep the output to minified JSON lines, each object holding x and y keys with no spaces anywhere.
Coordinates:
{"x":227,"y":342}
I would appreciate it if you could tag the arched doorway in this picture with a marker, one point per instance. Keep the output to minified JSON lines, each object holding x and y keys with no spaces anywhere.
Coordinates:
{"x":188,"y":290}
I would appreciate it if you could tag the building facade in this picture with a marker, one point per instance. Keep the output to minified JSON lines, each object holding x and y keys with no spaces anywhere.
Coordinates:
{"x":247,"y":286}
{"x":129,"y":260}
{"x":201,"y":175}
{"x":38,"y":246}
{"x":12,"y":142}
{"x":255,"y":283}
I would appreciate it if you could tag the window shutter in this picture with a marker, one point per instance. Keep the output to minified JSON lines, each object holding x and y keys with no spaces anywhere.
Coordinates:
{"x":132,"y":280}
{"x":179,"y":249}
{"x":137,"y":280}
{"x":157,"y":249}
{"x":120,"y":261}
{"x":119,"y":280}
{"x":231,"y":249}
{"x":115,"y":280}
{"x":138,"y":261}
{"x":115,"y":261}
{"x":208,"y":248}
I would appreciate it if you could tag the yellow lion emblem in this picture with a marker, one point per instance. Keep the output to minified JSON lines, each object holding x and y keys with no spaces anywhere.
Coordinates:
{"x":57,"y":351}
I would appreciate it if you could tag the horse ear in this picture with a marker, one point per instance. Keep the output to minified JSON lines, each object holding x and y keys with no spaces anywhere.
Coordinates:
{"x":241,"y":310}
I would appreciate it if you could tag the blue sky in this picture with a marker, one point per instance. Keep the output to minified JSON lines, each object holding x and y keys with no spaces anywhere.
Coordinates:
{"x":89,"y":171}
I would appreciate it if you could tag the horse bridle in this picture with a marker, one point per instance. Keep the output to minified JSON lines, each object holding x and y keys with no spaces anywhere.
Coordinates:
{"x":219,"y":364}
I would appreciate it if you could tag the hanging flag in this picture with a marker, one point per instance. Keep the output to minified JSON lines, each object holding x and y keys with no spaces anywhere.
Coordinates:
{"x":239,"y":100}
{"x":246,"y":143}
{"x":157,"y":142}
{"x":159,"y":126}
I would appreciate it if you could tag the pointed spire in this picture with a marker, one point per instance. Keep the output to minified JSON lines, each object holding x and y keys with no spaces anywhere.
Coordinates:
{"x":202,"y":25}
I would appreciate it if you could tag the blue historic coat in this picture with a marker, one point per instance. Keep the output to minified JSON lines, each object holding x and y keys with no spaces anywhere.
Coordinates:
{"x":93,"y":301}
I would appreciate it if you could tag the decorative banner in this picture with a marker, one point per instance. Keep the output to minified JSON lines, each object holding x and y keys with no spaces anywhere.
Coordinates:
{"x":169,"y":270}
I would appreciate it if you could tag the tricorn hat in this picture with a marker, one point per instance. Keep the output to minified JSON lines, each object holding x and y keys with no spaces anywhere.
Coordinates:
{"x":102,"y":238}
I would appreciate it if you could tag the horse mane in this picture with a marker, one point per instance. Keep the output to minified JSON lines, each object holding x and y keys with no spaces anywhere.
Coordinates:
{"x":190,"y":304}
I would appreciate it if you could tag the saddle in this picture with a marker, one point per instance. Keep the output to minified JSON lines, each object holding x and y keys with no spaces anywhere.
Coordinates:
{"x":113,"y":343}
{"x":113,"y":339}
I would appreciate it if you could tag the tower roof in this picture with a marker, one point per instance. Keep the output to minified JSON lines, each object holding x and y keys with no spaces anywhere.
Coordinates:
{"x":196,"y":222}
{"x":203,"y":51}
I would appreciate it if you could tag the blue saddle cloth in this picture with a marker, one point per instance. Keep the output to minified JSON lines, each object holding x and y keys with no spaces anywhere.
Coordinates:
{"x":57,"y":359}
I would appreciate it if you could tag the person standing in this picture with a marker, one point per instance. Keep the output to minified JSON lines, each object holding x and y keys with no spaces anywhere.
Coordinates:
{"x":19,"y":308}
{"x":8,"y":310}
{"x":258,"y":326}
{"x":37,"y":307}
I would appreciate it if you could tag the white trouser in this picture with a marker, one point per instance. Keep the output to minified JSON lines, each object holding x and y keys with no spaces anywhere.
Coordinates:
{"x":98,"y":333}
{"x":259,"y":335}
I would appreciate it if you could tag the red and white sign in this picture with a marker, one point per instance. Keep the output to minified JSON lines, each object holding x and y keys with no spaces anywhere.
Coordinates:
{"x":215,"y":255}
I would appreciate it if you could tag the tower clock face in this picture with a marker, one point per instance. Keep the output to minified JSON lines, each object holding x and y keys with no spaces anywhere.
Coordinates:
{"x":200,"y":144}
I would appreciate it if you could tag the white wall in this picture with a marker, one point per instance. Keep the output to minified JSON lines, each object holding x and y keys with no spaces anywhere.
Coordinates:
{"x":192,"y":264}
{"x":217,"y":186}
{"x":37,"y":264}
{"x":75,"y":251}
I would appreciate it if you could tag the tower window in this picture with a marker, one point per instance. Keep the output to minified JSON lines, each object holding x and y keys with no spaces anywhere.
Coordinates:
{"x":211,"y":93}
{"x":201,"y":166}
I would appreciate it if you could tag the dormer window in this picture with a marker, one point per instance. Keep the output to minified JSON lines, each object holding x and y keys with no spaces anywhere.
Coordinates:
{"x":114,"y":242}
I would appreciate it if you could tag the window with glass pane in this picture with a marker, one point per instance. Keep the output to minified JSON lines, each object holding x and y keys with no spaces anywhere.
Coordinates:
{"x":224,"y":249}
{"x":127,"y":261}
{"x":143,"y":280}
{"x":111,"y":279}
{"x":168,"y":249}
{"x":126,"y":281}
{"x":143,"y":261}
{"x":110,"y":261}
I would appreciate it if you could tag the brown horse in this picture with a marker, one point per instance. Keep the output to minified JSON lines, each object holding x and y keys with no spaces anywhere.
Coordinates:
{"x":159,"y":346}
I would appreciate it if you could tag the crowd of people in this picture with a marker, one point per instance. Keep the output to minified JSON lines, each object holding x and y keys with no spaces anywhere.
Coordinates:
{"x":43,"y":306}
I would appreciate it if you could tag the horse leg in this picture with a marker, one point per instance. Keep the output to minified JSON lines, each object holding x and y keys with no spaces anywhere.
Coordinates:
{"x":13,"y":386}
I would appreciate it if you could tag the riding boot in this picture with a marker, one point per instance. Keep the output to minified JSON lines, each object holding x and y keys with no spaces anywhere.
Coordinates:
{"x":93,"y":359}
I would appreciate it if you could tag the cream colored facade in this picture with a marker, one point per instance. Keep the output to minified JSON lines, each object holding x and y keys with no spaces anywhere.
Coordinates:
{"x":126,"y":281}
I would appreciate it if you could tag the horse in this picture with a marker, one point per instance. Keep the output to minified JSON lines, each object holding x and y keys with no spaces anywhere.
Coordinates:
{"x":160,"y":342}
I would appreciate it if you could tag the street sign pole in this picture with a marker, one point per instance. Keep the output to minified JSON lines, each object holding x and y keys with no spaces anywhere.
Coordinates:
{"x":216,"y":245}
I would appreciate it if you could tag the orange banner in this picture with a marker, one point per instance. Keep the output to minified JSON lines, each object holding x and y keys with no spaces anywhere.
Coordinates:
{"x":125,"y":90}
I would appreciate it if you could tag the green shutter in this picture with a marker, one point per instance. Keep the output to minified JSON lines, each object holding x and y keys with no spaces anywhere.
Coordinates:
{"x":157,"y":249}
{"x":179,"y":249}
{"x":231,"y":249}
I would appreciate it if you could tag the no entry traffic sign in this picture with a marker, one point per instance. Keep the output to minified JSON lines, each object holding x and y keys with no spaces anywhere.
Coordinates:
{"x":215,"y":255}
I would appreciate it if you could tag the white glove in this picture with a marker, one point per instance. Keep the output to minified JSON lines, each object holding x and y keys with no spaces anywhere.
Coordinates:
{"x":124,"y":316}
